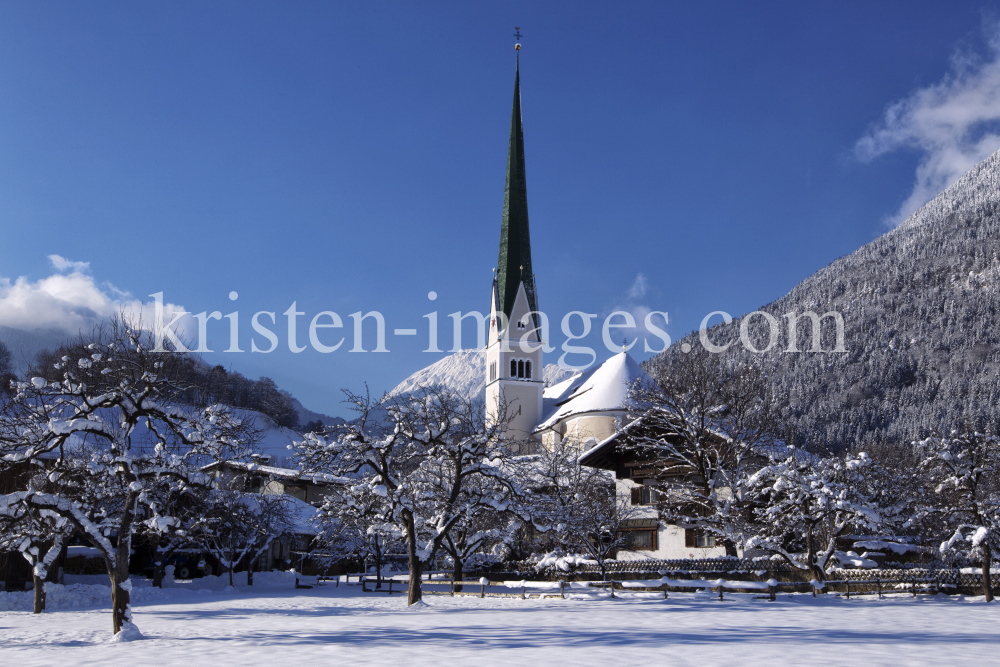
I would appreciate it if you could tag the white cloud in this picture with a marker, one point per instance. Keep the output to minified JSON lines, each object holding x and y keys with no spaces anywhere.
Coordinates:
{"x":62,"y":264}
{"x":638,"y":288}
{"x":632,"y":304}
{"x":954,"y":123}
{"x":74,"y":302}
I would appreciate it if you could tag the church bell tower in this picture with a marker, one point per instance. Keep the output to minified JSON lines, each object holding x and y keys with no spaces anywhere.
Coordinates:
{"x":514,"y":347}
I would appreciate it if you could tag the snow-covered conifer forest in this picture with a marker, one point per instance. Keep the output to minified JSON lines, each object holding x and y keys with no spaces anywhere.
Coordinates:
{"x":921,"y":309}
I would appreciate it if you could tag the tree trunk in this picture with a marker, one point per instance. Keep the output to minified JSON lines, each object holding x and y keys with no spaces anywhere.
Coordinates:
{"x":414,"y":594}
{"x":818,"y":575}
{"x":121,"y":612}
{"x":39,"y":594}
{"x":378,"y":564}
{"x":987,"y":564}
{"x":250,"y":576}
{"x":458,"y":574}
{"x":231,"y":568}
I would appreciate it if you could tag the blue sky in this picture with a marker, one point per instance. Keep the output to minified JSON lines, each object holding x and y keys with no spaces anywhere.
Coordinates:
{"x":681,"y":157}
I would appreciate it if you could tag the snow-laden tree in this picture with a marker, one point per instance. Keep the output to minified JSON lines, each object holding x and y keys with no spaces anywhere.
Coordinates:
{"x":700,"y":426}
{"x":113,"y":435}
{"x":595,"y":525}
{"x":961,"y":473}
{"x":479,"y":531}
{"x":236,"y":526}
{"x":37,"y":534}
{"x":804,"y":503}
{"x":574,"y":508}
{"x":421,"y":452}
{"x":352,"y":525}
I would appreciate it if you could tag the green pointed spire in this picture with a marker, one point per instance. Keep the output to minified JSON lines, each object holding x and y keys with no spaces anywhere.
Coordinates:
{"x":514,"y":265}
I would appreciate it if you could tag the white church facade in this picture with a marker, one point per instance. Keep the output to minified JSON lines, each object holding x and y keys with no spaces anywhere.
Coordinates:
{"x":585,"y":409}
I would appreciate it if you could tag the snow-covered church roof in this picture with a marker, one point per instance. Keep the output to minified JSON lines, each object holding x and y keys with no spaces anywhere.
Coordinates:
{"x":600,"y":389}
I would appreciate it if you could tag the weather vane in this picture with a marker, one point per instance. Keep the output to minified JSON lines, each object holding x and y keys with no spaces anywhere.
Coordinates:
{"x":517,"y":28}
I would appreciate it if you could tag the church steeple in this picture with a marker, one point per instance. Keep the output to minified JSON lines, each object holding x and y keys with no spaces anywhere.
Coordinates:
{"x":514,"y":358}
{"x":514,"y":265}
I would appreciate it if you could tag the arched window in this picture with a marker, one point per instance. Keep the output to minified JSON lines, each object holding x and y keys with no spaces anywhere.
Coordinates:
{"x":513,"y":368}
{"x":527,"y":369}
{"x":520,"y":369}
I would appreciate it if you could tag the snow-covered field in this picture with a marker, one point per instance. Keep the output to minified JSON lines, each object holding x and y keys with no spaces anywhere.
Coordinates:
{"x":274,"y":624}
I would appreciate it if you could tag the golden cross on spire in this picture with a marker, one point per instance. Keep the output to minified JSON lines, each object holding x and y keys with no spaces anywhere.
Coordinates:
{"x":517,"y":28}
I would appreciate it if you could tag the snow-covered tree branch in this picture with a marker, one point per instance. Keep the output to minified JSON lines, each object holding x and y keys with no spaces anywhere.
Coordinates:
{"x":804,"y":503}
{"x":116,"y":442}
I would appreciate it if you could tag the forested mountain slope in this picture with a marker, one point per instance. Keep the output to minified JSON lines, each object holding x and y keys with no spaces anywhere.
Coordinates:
{"x":921,"y":309}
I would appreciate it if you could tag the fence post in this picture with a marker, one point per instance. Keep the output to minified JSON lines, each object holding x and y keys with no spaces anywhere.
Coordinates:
{"x":878,"y":582}
{"x":562,"y":589}
{"x":390,"y":587}
{"x":453,"y":587}
{"x":482,"y":592}
{"x":848,"y":582}
{"x":612,"y":582}
{"x":522,"y":591}
{"x":914,"y":582}
{"x":665,"y":591}
{"x":364,"y":585}
{"x":770,"y":591}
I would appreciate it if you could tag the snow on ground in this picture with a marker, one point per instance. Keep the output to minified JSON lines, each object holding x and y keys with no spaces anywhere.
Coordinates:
{"x":273,"y":624}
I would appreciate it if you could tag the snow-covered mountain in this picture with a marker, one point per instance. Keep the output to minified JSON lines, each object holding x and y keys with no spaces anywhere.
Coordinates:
{"x":464,"y":373}
{"x":921,"y":308}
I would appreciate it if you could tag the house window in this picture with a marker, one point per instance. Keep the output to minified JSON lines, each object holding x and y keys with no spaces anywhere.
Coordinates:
{"x":639,"y":540}
{"x":520,"y":369}
{"x":644,"y":495}
{"x":513,"y":368}
{"x":699,"y":539}
{"x":527,"y":369}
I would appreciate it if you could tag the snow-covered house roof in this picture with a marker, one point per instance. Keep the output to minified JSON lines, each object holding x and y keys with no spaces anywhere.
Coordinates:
{"x":600,"y":389}
{"x":604,"y":454}
{"x":273,"y":471}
